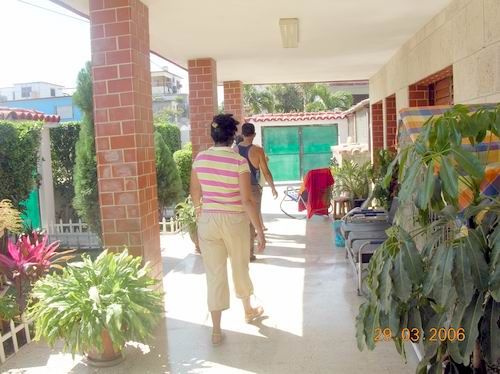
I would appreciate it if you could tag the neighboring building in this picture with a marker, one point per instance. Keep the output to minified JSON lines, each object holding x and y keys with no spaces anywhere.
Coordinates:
{"x":358,"y":88}
{"x":30,"y":90}
{"x":167,"y":98}
{"x":298,"y":142}
{"x":62,"y":106}
{"x":164,"y":83}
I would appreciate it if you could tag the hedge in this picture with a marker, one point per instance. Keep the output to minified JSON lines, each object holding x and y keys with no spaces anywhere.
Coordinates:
{"x":169,"y":184}
{"x":170,"y":134}
{"x":63,"y":139}
{"x":19,"y":145}
{"x":184,"y":160}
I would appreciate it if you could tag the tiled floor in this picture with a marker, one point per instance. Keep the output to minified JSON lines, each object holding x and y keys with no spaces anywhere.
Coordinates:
{"x":306,"y":287}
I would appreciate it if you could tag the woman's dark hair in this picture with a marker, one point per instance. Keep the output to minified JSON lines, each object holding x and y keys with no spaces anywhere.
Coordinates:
{"x":223,"y":129}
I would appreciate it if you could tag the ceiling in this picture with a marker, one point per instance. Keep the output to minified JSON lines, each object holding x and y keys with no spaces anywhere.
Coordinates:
{"x":338,"y":39}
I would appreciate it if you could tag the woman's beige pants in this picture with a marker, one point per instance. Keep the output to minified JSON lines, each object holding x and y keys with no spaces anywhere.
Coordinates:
{"x":224,"y":235}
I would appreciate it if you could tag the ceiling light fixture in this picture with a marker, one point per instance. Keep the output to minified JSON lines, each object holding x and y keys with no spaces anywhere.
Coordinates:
{"x":289,"y":32}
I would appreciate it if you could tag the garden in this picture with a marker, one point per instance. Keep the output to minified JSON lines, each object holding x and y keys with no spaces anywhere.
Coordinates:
{"x":93,"y":301}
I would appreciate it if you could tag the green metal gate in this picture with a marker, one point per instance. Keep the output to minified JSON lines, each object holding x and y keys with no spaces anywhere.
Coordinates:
{"x":294,"y":150}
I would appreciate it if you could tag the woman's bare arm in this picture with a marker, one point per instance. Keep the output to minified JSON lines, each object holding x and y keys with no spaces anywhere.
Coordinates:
{"x":195,"y":190}
{"x":250,"y":208}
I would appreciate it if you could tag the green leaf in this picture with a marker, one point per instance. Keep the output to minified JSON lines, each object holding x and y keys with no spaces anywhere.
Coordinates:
{"x":449,"y":177}
{"x":385,"y":287}
{"x":408,"y":182}
{"x":411,"y":260}
{"x":495,"y":270}
{"x":431,"y":347}
{"x":473,"y":245}
{"x":400,"y":279}
{"x":469,"y":162}
{"x":455,"y":136}
{"x":442,"y":289}
{"x":456,"y":323}
{"x":470,"y":321}
{"x":490,"y":336}
{"x":462,"y":276}
{"x":360,"y":326}
{"x":388,"y":175}
{"x":426,"y":189}
{"x":371,"y":322}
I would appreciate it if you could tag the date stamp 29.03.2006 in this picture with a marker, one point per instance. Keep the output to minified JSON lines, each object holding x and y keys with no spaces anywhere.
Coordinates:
{"x":415,"y":334}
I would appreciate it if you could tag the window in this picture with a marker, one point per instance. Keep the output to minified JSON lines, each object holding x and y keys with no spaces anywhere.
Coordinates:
{"x":26,"y":91}
{"x":52,"y":92}
{"x":65,"y":111}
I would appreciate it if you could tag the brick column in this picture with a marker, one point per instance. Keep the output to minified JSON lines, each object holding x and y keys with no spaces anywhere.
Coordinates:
{"x":202,"y":101}
{"x":377,"y":117}
{"x":124,"y":128}
{"x":233,"y":100}
{"x":390,"y":122}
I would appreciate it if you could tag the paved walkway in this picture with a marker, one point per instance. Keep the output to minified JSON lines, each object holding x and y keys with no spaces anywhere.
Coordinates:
{"x":306,"y":287}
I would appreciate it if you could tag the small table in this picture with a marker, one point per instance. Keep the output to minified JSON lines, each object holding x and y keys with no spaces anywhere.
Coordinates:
{"x":341,"y":206}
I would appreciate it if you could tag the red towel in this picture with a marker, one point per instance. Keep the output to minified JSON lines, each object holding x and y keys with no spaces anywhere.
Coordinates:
{"x":317,"y":183}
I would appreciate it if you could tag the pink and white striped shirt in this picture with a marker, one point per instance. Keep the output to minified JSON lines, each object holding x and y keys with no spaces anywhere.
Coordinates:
{"x":218,"y":170}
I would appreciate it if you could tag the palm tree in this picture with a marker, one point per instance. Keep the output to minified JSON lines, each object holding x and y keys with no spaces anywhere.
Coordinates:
{"x":320,"y":98}
{"x":257,"y":101}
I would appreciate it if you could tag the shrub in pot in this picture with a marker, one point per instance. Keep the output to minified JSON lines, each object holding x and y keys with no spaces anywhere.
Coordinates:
{"x":97,"y":306}
{"x":451,"y":285}
{"x":352,"y":179}
{"x":187,"y":218}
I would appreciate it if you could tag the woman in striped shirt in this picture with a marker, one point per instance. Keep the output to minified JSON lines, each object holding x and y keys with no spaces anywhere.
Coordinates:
{"x":222,"y":196}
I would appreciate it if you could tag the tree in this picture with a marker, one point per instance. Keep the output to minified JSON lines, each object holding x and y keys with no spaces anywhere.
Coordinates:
{"x":170,"y":134}
{"x":169,"y":182}
{"x":303,"y":97}
{"x":86,"y":201}
{"x":257,"y":101}
{"x":63,"y":139}
{"x":184,"y":160}
{"x":288,"y":97}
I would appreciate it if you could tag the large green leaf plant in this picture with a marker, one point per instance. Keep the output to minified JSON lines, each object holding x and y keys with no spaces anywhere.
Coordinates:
{"x":442,"y":272}
{"x":113,"y":293}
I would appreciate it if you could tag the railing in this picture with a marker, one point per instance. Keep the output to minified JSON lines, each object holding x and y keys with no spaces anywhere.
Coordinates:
{"x":170,"y":226}
{"x":10,"y":342}
{"x":74,"y":235}
{"x":77,"y":234}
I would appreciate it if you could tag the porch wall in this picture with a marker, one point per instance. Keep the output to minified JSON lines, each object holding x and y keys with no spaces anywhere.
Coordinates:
{"x":465,"y":35}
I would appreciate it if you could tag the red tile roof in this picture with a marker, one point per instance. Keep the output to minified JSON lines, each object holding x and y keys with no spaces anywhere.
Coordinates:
{"x":27,"y":114}
{"x":300,"y":116}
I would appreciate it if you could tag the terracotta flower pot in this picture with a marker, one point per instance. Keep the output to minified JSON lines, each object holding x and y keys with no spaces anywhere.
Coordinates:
{"x":108,"y":356}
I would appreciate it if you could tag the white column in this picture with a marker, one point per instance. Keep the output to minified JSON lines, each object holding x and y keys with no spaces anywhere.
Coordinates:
{"x":46,"y":192}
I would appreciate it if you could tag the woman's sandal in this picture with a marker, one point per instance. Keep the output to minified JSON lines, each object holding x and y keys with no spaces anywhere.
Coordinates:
{"x":254,"y":314}
{"x":218,"y":338}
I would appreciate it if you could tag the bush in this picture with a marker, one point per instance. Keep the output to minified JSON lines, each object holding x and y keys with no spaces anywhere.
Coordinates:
{"x":63,"y":151}
{"x":19,"y":144}
{"x":115,"y":292}
{"x":170,"y":134}
{"x":86,"y":201}
{"x":184,"y":160}
{"x":169,"y":182}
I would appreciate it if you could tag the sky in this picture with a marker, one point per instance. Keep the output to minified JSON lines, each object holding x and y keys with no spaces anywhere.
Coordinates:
{"x":42,"y":41}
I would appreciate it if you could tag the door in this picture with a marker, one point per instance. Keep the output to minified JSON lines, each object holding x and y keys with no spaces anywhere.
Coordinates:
{"x":294,"y":150}
{"x":282,"y":146}
{"x":316,"y":143}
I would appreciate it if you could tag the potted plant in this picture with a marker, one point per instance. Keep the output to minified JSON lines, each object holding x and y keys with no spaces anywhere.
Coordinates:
{"x":97,"y":306}
{"x":187,"y":218}
{"x":443,"y":293}
{"x":352,"y":179}
{"x":382,"y":194}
